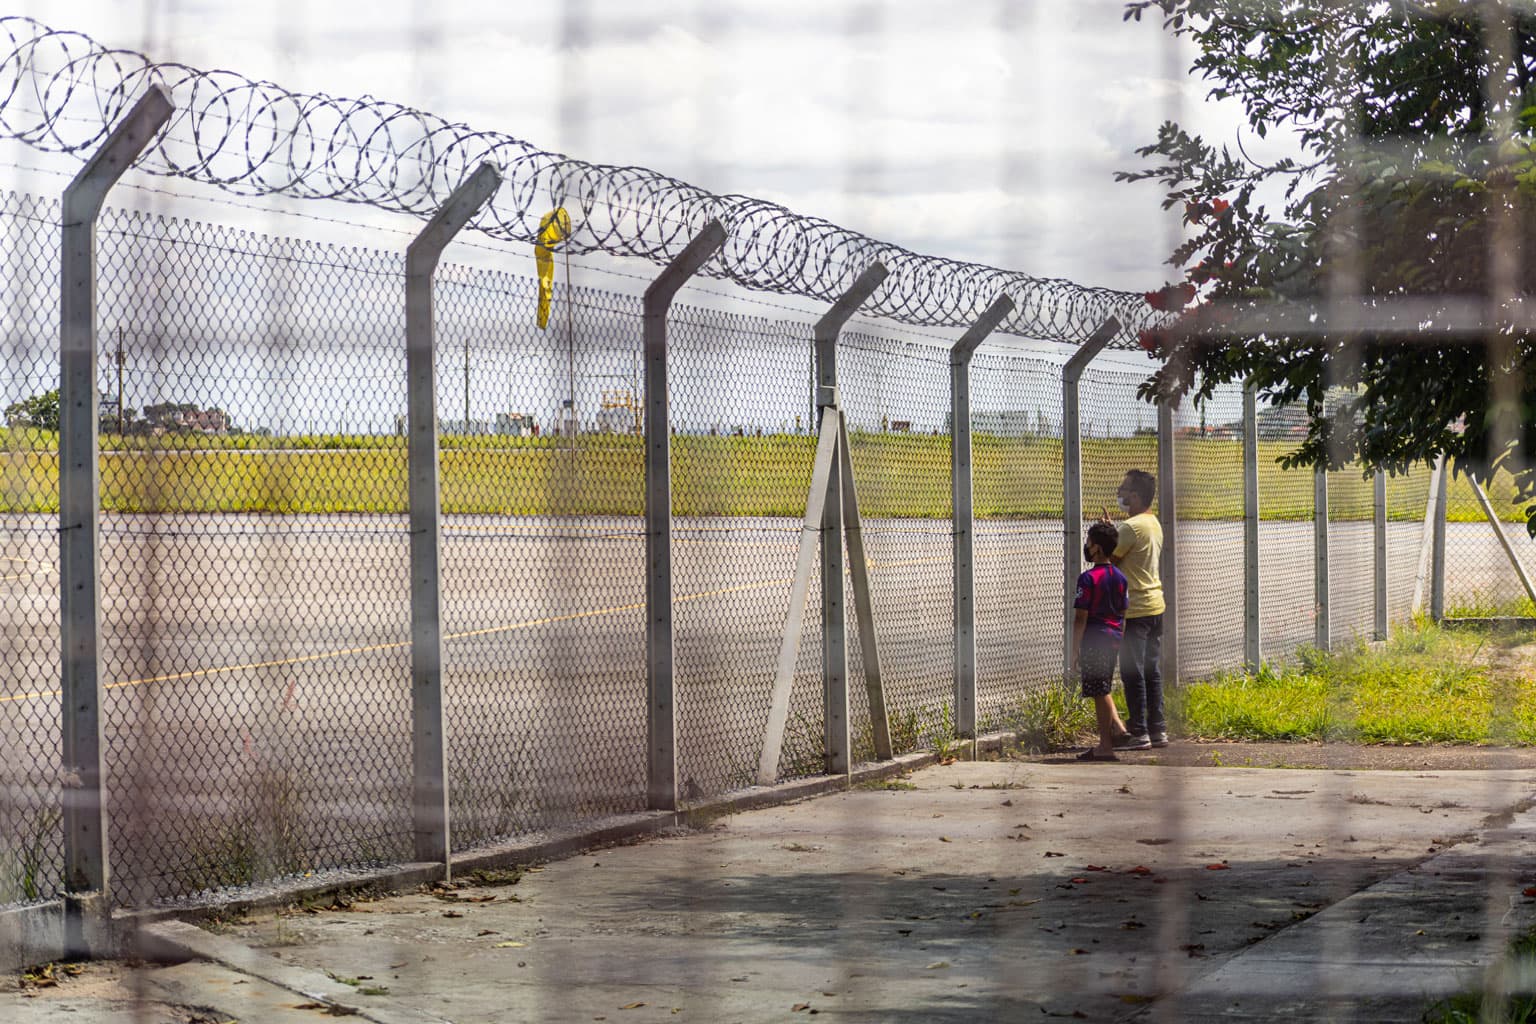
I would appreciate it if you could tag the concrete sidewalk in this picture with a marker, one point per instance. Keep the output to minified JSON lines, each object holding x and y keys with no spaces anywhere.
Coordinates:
{"x":977,"y":891}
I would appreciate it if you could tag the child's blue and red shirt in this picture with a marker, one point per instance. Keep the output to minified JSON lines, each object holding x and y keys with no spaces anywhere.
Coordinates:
{"x":1102,"y":591}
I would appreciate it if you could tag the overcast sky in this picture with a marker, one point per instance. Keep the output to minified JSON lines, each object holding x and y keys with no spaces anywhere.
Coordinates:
{"x":988,"y":130}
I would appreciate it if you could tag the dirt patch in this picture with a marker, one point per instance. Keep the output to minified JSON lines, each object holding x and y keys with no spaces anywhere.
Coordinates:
{"x":1341,"y":756}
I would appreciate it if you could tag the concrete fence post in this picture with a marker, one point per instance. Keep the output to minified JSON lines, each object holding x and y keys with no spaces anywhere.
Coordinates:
{"x":429,"y":746}
{"x":1168,"y":515}
{"x":1437,"y":542}
{"x":1379,"y":553}
{"x":834,"y":623}
{"x":1253,"y":651}
{"x":963,"y":511}
{"x":1322,"y":635}
{"x":87,"y":878}
{"x":1072,"y":476}
{"x":661,"y":705}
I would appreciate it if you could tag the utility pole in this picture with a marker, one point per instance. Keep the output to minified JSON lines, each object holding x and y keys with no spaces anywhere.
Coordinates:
{"x":120,"y":420}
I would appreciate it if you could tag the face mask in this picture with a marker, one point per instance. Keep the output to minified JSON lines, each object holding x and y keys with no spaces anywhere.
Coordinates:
{"x":1088,"y":552}
{"x":1125,"y":506}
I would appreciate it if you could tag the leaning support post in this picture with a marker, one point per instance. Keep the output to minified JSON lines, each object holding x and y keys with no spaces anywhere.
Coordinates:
{"x":1322,"y":636}
{"x":1253,"y":651}
{"x":963,"y":511}
{"x":86,"y":874}
{"x":805,"y":563}
{"x":661,"y":706}
{"x":429,"y":746}
{"x":1379,"y":550}
{"x":1072,"y":477}
{"x":834,"y":626}
{"x":1498,"y":531}
{"x":863,"y":597}
{"x":1168,"y":514}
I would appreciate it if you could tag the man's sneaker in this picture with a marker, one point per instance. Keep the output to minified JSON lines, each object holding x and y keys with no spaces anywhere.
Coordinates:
{"x":1159,"y":739}
{"x":1132,"y":741}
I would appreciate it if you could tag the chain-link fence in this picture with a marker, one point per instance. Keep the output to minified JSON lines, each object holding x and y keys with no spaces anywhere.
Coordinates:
{"x":1481,"y":578}
{"x":256,"y":620}
{"x":1208,"y":477}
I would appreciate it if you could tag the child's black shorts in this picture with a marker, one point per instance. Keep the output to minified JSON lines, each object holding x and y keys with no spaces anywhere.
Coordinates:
{"x":1096,"y":663}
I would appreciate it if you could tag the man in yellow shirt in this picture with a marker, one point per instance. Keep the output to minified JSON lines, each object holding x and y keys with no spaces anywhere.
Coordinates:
{"x":1137,"y":556}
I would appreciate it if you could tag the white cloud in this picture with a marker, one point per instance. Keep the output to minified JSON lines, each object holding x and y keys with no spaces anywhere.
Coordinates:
{"x":988,"y":131}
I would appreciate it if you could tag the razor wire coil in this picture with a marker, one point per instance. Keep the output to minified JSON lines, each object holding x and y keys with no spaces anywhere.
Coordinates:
{"x":62,"y":92}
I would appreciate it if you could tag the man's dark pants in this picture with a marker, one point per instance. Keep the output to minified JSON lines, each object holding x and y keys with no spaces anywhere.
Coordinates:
{"x":1141,"y":670}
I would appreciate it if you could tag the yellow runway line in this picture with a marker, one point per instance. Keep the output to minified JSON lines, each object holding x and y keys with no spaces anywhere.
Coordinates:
{"x":326,"y":655}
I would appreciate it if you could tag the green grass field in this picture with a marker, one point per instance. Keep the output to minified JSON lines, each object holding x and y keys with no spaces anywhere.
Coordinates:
{"x":1424,"y":685}
{"x":900,"y":476}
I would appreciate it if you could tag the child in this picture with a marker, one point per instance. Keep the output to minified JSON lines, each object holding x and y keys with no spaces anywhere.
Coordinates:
{"x":1096,"y":631}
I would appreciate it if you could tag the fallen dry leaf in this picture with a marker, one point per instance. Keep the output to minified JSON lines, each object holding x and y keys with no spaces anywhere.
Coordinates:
{"x":799,"y":1007}
{"x":937,"y":965}
{"x":1216,"y":867}
{"x":631,"y":1006}
{"x":1139,"y":869}
{"x":510,"y":944}
{"x":1095,"y":867}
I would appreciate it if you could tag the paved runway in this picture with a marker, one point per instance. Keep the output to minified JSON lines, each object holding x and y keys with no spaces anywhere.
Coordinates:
{"x":258,"y":666}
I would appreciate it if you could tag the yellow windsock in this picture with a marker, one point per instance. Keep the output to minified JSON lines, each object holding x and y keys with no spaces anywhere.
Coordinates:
{"x":554,"y":228}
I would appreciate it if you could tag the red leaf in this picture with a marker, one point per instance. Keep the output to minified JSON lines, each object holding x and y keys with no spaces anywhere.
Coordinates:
{"x":1219,"y":206}
{"x":1216,"y":867}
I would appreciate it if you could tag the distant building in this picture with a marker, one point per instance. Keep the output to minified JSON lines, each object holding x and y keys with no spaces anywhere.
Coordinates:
{"x":184,"y":418}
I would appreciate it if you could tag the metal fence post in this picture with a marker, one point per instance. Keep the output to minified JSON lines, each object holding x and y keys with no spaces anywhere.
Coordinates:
{"x":1379,"y":536}
{"x":1253,"y":651}
{"x":834,"y":623}
{"x":86,"y":859}
{"x":1437,"y":544}
{"x":1168,"y":514}
{"x":429,"y":789}
{"x":661,"y":705}
{"x":1072,"y":476}
{"x":963,"y":511}
{"x":1322,"y":637}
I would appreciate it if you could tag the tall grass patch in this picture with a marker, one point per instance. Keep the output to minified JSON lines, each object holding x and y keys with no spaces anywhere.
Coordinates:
{"x":1424,"y":685}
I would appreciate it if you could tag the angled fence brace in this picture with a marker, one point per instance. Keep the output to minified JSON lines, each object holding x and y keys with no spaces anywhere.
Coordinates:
{"x":834,"y":643}
{"x":429,"y":746}
{"x":1252,"y":646}
{"x":831,"y":506}
{"x":660,"y":698}
{"x":863,"y":601}
{"x":86,"y":861}
{"x":963,"y":511}
{"x":1498,"y":531}
{"x":1322,"y":634}
{"x":805,"y":563}
{"x":1168,"y":515}
{"x":1072,"y":476}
